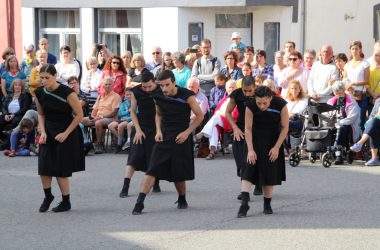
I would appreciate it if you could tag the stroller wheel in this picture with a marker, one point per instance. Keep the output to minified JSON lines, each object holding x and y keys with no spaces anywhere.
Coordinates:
{"x":312,"y":157}
{"x":294,"y":159}
{"x":327,"y":159}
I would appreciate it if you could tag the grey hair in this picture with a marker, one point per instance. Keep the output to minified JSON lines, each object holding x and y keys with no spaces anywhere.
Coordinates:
{"x":192,"y":80}
{"x":179,"y":56}
{"x":338,"y":86}
{"x":107,"y":79}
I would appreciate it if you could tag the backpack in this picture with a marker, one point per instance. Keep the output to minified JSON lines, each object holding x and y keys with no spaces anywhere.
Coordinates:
{"x":199,"y":64}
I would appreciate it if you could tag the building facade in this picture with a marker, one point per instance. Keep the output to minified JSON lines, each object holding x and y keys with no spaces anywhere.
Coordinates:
{"x":174,"y":25}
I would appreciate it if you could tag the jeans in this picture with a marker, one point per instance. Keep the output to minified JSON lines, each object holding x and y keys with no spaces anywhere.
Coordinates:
{"x":373,"y":130}
{"x":16,"y":136}
{"x":363,"y":104}
{"x":345,"y":132}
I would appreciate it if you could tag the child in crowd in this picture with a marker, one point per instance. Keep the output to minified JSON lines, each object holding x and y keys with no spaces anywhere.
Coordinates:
{"x":21,"y":140}
{"x":218,"y":92}
{"x":259,"y":79}
{"x":236,"y":42}
{"x":125,"y":121}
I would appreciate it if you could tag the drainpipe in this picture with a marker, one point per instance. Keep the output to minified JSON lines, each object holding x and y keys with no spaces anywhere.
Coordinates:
{"x":303,"y":26}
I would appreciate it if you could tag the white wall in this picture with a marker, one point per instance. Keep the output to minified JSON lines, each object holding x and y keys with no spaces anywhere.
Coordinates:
{"x":87,"y":33}
{"x":27,"y":27}
{"x":325,"y":24}
{"x":159,"y":28}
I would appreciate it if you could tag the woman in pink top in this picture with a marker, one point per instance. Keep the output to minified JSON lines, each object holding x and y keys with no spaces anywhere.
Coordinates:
{"x":115,"y":68}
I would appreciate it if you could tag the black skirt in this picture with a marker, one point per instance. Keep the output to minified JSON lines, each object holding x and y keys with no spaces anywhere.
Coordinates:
{"x":61,"y":159}
{"x":265,"y":172}
{"x":239,"y":149}
{"x":171,"y":161}
{"x":139,"y":154}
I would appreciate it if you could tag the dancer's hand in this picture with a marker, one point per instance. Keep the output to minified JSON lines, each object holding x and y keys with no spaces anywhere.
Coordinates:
{"x":238,"y":134}
{"x":273,"y":154}
{"x":251,"y":157}
{"x":181,"y":137}
{"x":158,"y":136}
{"x":42,"y":139}
{"x":139,"y":136}
{"x":61,"y":137}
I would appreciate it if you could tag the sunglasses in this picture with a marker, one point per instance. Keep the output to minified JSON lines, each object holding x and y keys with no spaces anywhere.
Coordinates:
{"x":293,"y":59}
{"x":115,"y":62}
{"x":156,"y":53}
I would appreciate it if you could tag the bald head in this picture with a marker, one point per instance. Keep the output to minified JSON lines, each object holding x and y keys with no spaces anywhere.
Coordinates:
{"x":326,"y":53}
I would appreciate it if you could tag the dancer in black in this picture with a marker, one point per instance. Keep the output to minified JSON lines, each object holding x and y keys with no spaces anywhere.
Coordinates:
{"x":61,"y":143}
{"x":143,"y":112}
{"x":238,"y":98}
{"x":266,"y":127}
{"x":172,"y":156}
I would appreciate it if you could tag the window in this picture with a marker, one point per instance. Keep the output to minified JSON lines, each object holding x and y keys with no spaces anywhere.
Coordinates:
{"x":376,"y":22}
{"x":120,"y":29}
{"x":233,"y":20}
{"x":271,"y":40}
{"x":61,"y":27}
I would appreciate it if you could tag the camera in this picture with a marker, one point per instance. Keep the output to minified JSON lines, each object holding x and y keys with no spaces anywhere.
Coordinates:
{"x":99,"y":47}
{"x":193,"y":50}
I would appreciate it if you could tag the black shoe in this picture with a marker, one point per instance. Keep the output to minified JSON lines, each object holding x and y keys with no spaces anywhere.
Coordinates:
{"x":156,"y":189}
{"x":118,"y":149}
{"x":268,"y":209}
{"x":182,"y":204}
{"x":338,"y":160}
{"x":240,"y":197}
{"x":124,"y":192}
{"x":258,"y":191}
{"x":62,"y":207}
{"x":87,"y":148}
{"x":138,"y":209}
{"x":243,"y":211}
{"x":46,"y":204}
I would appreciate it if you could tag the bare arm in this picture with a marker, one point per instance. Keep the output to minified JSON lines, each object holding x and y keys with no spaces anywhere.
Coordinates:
{"x":238,"y":134}
{"x":273,"y":153}
{"x":41,"y":122}
{"x":3,"y":89}
{"x":139,"y":136}
{"x":251,"y":156}
{"x":157,"y":120}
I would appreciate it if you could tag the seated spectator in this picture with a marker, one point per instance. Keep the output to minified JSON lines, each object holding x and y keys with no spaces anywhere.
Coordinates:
{"x":11,"y":73}
{"x":73,"y":83}
{"x":297,"y":103}
{"x":22,"y":139}
{"x":278,"y":67}
{"x":124,"y":121}
{"x":127,"y":57}
{"x":67,"y":66}
{"x":248,"y":57}
{"x":34,"y":80}
{"x":181,"y":72}
{"x":193,"y":85}
{"x":349,"y":123}
{"x":104,"y":112}
{"x":271,"y":85}
{"x":15,"y":105}
{"x":340,"y":61}
{"x":210,"y":130}
{"x":231,"y":70}
{"x":91,"y":80}
{"x":371,"y":132}
{"x":218,"y":92}
{"x":247,"y":71}
{"x":114,"y":69}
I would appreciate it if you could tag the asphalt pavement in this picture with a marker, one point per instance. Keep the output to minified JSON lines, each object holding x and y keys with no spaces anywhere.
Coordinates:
{"x":316,"y":208}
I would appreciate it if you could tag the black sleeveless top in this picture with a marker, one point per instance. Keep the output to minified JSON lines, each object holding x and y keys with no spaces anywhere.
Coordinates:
{"x":240,"y":100}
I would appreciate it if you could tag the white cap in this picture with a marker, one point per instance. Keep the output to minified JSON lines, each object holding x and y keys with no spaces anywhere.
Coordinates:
{"x":235,"y":35}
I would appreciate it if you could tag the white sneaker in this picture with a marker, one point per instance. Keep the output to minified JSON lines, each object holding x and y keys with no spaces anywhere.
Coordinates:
{"x":126,"y":145}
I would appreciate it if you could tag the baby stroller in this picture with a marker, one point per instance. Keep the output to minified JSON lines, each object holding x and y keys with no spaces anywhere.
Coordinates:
{"x":319,"y":133}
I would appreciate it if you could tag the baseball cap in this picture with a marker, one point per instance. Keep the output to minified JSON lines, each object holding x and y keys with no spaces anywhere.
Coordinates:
{"x":29,"y":47}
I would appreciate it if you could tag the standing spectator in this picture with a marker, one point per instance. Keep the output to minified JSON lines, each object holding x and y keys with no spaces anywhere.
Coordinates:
{"x":262,"y":68}
{"x":206,"y":68}
{"x":289,"y":47}
{"x":114,"y":68}
{"x":12,"y":71}
{"x":189,"y":60}
{"x":60,"y":138}
{"x":357,"y":72}
{"x":137,"y":67}
{"x":153,"y":65}
{"x":236,"y":42}
{"x":167,"y":63}
{"x":294,"y":72}
{"x":15,"y":105}
{"x":181,"y":72}
{"x":249,"y":57}
{"x":67,"y":66}
{"x":43,"y":44}
{"x":309,"y":58}
{"x":231,"y":70}
{"x":218,"y":92}
{"x":91,"y":81}
{"x":28,"y":63}
{"x":278,"y":66}
{"x":34,"y":80}
{"x":127,"y":57}
{"x":374,"y":80}
{"x":247,"y":71}
{"x":322,"y":75}
{"x":340,"y":62}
